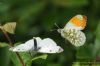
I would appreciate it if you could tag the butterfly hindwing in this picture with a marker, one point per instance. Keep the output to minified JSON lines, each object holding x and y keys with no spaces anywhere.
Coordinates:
{"x":76,"y":37}
{"x":49,"y":46}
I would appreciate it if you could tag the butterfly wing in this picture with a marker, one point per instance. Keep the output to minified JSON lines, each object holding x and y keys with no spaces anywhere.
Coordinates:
{"x":75,"y":37}
{"x":49,"y":46}
{"x":38,"y":39}
{"x":27,"y":46}
{"x":78,"y":22}
{"x":72,"y":32}
{"x":20,"y":48}
{"x":23,"y":47}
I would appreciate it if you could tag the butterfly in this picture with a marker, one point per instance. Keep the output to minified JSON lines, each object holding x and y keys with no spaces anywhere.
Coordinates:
{"x":72,"y":30}
{"x":37,"y":44}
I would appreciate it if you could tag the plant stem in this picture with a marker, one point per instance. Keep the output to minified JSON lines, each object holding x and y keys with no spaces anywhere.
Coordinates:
{"x":8,"y":38}
{"x":11,"y":44}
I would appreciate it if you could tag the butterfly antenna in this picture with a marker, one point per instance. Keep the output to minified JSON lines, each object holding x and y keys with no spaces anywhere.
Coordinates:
{"x":57,"y":25}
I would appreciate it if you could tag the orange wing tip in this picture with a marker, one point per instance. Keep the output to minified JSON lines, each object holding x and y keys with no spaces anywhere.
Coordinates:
{"x":79,"y":21}
{"x":79,"y":17}
{"x":84,"y":21}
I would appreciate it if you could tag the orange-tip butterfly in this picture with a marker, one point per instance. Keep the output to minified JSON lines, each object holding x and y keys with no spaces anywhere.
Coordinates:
{"x":37,"y":44}
{"x":72,"y":30}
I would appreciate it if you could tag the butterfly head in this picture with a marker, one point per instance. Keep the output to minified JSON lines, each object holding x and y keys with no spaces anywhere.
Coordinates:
{"x":59,"y":30}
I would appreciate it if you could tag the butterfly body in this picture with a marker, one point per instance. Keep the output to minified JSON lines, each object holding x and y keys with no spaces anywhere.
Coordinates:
{"x":72,"y":30}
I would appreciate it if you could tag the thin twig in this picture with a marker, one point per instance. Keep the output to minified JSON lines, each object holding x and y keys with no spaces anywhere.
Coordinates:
{"x":8,"y":38}
{"x":11,"y":44}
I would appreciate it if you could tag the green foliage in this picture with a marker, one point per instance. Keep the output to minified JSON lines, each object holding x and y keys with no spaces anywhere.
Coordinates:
{"x":9,"y":27}
{"x":37,"y":18}
{"x":4,"y":56}
{"x":30,"y":10}
{"x":15,"y":59}
{"x":3,"y":45}
{"x":96,"y":50}
{"x":26,"y":58}
{"x":85,"y":53}
{"x":44,"y":56}
{"x":76,"y":64}
{"x":70,"y":3}
{"x":97,"y":32}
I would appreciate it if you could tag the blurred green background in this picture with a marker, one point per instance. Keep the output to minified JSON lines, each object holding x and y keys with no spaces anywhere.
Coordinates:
{"x":37,"y":18}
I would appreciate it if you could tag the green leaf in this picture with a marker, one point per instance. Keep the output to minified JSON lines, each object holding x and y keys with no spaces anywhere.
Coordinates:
{"x":53,"y":64}
{"x":3,"y":44}
{"x":24,"y":55}
{"x":44,"y":56}
{"x":26,"y":58}
{"x":10,"y":27}
{"x":85,"y":52}
{"x":97,"y":33}
{"x":76,"y":64}
{"x":96,"y":49}
{"x":4,"y":56}
{"x":15,"y":59}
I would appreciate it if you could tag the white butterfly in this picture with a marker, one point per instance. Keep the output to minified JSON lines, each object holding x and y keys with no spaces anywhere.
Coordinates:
{"x":37,"y":44}
{"x":72,"y":30}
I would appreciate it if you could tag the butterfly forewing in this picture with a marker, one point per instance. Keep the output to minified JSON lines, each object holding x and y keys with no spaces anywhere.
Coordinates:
{"x":26,"y":47}
{"x":78,"y":22}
